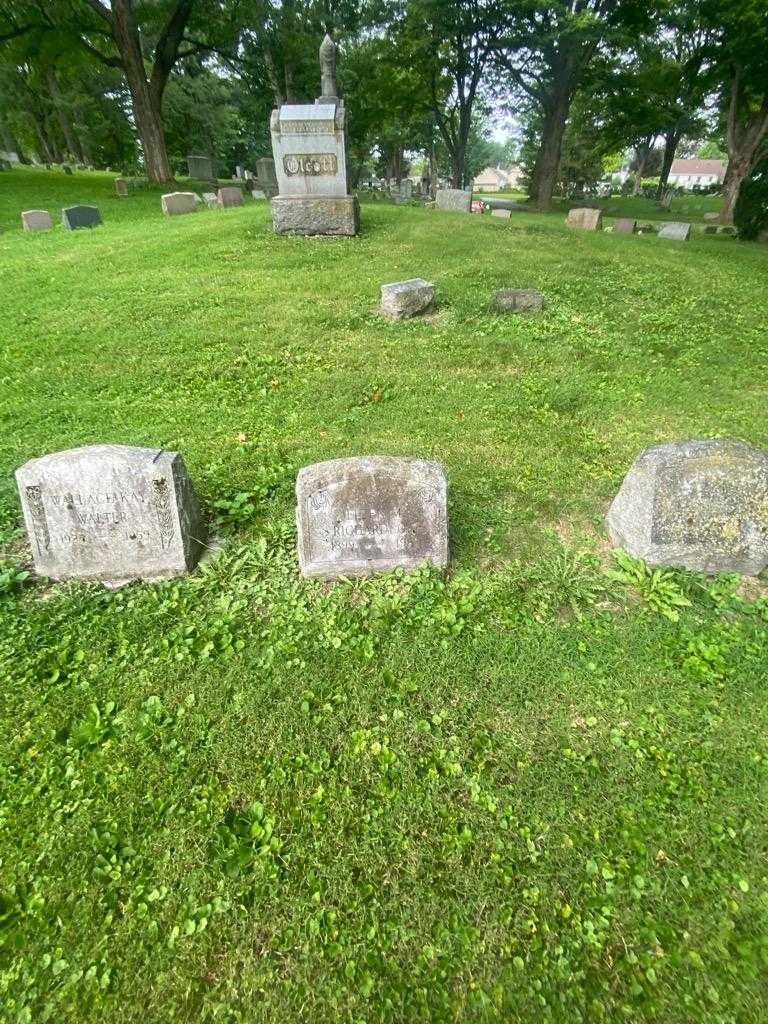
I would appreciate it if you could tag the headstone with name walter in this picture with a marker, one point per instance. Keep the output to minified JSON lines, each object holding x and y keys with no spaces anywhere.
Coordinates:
{"x":456,"y":200}
{"x":73,"y":217}
{"x":174,"y":203}
{"x":36,"y":220}
{"x":676,"y":230}
{"x":586,"y":218}
{"x":200,"y":167}
{"x":309,"y":148}
{"x":111,"y":513}
{"x":699,"y":504}
{"x":371,"y":514}
{"x":230,"y":195}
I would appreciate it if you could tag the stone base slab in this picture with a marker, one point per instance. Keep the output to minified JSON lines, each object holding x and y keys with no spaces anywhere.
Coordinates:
{"x":316,"y":215}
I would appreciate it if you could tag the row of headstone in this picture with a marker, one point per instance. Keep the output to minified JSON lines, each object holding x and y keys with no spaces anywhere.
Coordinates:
{"x":175,"y":203}
{"x":414,"y":297}
{"x":72,"y":218}
{"x":115,"y":513}
{"x":592,"y":220}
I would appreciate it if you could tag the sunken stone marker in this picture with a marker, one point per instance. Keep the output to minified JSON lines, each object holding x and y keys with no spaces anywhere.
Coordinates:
{"x":36,"y":220}
{"x":699,"y":504}
{"x":502,"y":214}
{"x":371,"y":514}
{"x":453,"y":199}
{"x":518,"y":300}
{"x":230,"y":195}
{"x":407,"y":298}
{"x":586,"y":218}
{"x":174,"y":203}
{"x":110,"y":513}
{"x":625,"y":226}
{"x":676,"y":230}
{"x":74,"y":217}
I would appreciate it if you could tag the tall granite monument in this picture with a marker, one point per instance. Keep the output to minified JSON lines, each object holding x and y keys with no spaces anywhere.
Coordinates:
{"x":309,"y":148}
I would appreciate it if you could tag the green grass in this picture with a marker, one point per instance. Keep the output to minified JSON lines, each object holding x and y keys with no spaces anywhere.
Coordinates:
{"x":531,"y":789}
{"x":684,"y":207}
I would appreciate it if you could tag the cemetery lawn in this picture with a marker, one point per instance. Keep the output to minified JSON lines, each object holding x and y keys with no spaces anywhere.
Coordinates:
{"x":530,"y":789}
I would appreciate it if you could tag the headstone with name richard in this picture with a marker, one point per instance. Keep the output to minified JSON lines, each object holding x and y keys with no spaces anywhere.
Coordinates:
{"x":230,"y":195}
{"x":371,"y":514}
{"x":309,"y":148}
{"x":36,"y":220}
{"x":111,"y":513}
{"x":625,"y":226}
{"x":700,"y":504}
{"x":73,"y":217}
{"x":457,"y":200}
{"x":200,"y":167}
{"x":174,"y":203}
{"x":585,"y":218}
{"x":676,"y":230}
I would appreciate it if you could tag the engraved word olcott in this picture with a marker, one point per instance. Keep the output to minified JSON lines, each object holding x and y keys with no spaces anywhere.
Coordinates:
{"x":310,"y":163}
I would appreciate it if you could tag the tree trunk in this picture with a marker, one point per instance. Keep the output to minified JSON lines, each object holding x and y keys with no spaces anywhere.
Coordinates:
{"x":747,"y":128}
{"x":47,"y":152}
{"x":671,"y":139}
{"x":548,"y":158}
{"x":54,"y":89}
{"x":739,"y":168}
{"x":146,"y":107}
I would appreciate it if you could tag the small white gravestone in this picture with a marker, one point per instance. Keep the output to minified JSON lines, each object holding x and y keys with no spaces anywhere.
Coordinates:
{"x":36,"y":220}
{"x":111,"y":513}
{"x":371,"y":514}
{"x":174,"y":203}
{"x":501,"y":214}
{"x":309,"y":149}
{"x":407,"y":298}
{"x":457,"y":200}
{"x":586,"y":218}
{"x":210,"y":199}
{"x":676,"y":230}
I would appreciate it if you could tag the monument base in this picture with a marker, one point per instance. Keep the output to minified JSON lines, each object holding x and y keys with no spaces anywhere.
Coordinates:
{"x":316,"y":215}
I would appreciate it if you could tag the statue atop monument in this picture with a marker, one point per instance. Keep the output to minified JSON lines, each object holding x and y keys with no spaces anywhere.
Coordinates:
{"x":329,"y":92}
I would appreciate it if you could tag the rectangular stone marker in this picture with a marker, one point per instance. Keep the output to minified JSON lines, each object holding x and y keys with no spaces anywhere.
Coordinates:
{"x":36,"y":220}
{"x":121,"y":186}
{"x":174,"y":203}
{"x":518,"y":300}
{"x":586,"y":218}
{"x":230,"y":195}
{"x":454,"y":199}
{"x":676,"y":230}
{"x":111,"y":513}
{"x":501,"y":214}
{"x":407,"y":298}
{"x":371,"y":514}
{"x":73,"y":217}
{"x":625,"y":226}
{"x":200,"y":167}
{"x":265,"y":172}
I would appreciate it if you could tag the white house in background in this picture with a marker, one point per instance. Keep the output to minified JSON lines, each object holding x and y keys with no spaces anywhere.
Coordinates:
{"x":688,"y":173}
{"x":9,"y":156}
{"x":498,"y":179}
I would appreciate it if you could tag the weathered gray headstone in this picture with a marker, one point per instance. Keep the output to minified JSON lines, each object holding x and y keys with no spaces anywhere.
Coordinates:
{"x":676,"y":230}
{"x":267,"y":178}
{"x":699,"y":504}
{"x":586,"y":218}
{"x":454,"y":199}
{"x":36,"y":220}
{"x":174,"y":203}
{"x":73,"y":217}
{"x":200,"y":167}
{"x":519,"y":300}
{"x":121,"y":186}
{"x":407,"y":298}
{"x":625,"y":226}
{"x":230,"y":195}
{"x":501,"y":214}
{"x":210,"y":199}
{"x":371,"y":514}
{"x":110,"y":513}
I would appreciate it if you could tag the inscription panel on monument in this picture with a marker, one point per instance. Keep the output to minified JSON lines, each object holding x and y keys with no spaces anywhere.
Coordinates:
{"x":110,"y":512}
{"x":371,"y":514}
{"x":310,"y":163}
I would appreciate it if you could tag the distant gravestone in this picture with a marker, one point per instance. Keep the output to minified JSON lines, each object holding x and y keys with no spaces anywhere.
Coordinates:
{"x":74,"y":217}
{"x":676,"y":230}
{"x":110,"y":513}
{"x":625,"y":226}
{"x":66,"y":168}
{"x":121,"y":186}
{"x":455,"y":200}
{"x":210,"y":199}
{"x":501,"y":214}
{"x":699,"y":504}
{"x":518,"y":300}
{"x":36,"y":220}
{"x":712,"y":217}
{"x":267,"y":177}
{"x":200,"y":167}
{"x":585,"y":218}
{"x":371,"y":514}
{"x":174,"y":203}
{"x":230,"y":195}
{"x":405,"y":299}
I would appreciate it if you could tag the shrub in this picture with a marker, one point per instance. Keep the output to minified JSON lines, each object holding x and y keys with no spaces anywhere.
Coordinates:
{"x":750,"y":215}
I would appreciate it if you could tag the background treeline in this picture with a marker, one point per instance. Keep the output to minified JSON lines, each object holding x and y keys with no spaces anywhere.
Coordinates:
{"x":139,"y":84}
